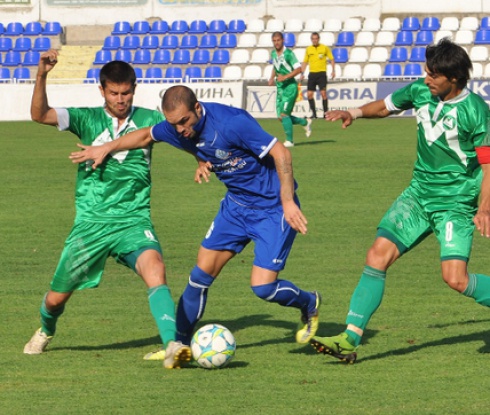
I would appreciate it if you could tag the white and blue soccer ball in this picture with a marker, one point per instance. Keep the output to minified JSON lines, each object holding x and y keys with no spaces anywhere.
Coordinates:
{"x":213,"y":346}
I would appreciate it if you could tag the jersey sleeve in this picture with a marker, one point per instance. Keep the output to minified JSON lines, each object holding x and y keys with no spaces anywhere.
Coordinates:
{"x":164,"y":132}
{"x":402,"y":99}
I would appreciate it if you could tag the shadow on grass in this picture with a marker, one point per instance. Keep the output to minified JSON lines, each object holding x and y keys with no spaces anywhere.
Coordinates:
{"x":309,"y":143}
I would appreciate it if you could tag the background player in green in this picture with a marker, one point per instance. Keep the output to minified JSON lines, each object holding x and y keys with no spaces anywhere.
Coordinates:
{"x":285,"y":67}
{"x":112,"y":205}
{"x":452,"y":167}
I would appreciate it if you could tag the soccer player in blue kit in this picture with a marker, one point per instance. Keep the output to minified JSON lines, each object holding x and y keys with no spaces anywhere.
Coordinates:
{"x":260,"y":204}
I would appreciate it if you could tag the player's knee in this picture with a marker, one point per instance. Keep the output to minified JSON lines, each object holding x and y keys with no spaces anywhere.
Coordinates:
{"x":266,"y":291}
{"x":456,"y":281}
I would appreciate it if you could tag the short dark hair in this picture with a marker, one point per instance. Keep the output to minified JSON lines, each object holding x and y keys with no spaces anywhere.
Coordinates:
{"x":449,"y":59}
{"x":278,"y":34}
{"x":119,"y":72}
{"x":178,"y":95}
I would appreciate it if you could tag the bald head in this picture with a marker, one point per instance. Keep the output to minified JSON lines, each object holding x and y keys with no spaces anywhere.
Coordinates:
{"x":176,"y":96}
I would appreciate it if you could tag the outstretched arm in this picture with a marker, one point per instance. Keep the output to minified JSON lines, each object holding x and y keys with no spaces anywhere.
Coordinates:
{"x":284,"y":167}
{"x":374,"y":109}
{"x":41,"y":112}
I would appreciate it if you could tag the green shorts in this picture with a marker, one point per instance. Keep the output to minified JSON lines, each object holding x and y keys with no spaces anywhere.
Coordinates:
{"x":286,"y":99}
{"x":89,"y":245}
{"x":409,"y":221}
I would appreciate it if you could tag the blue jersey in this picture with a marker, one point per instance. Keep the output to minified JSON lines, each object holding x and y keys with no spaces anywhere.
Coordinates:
{"x":237,"y":147}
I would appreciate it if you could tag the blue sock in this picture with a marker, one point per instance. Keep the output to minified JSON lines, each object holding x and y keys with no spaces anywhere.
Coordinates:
{"x":192,"y":304}
{"x":286,"y":294}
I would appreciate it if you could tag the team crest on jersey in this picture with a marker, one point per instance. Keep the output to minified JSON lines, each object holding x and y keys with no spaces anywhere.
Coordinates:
{"x":449,"y":122}
{"x":222,"y":154}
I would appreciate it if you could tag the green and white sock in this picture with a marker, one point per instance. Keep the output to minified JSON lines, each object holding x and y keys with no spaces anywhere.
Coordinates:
{"x":478,"y":288}
{"x":163,"y":310}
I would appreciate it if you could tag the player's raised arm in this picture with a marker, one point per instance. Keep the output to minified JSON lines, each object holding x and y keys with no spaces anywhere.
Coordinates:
{"x":136,"y":139}
{"x":374,"y":109}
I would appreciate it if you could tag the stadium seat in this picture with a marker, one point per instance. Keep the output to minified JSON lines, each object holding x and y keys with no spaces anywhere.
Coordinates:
{"x":220,"y":57}
{"x":201,"y":57}
{"x":412,"y":70}
{"x":2,"y":29}
{"x":477,"y":70}
{"x":391,"y":24}
{"x":31,"y":58}
{"x":327,"y":38}
{"x":12,"y":58}
{"x":485,"y":23}
{"x":181,"y":57}
{"x":141,"y":27}
{"x":153,"y":74}
{"x":252,"y":72}
{"x":22,"y":44}
{"x":378,"y":54}
{"x":469,"y":23}
{"x":112,"y":43}
{"x":352,"y":24}
{"x":411,"y":24}
{"x":33,"y":29}
{"x":246,"y":40}
{"x":486,"y":71}
{"x":131,"y":42}
{"x":300,"y":55}
{"x":398,"y":54}
{"x":198,"y":27}
{"x":371,"y":24}
{"x":41,"y":44}
{"x":159,"y":27}
{"x":52,"y":29}
{"x":345,"y":39}
{"x":316,"y":25}
{"x":255,"y":26}
{"x":341,"y":55}
{"x":189,"y":42}
{"x":364,"y":39}
{"x":404,"y":38}
{"x":142,"y":57}
{"x":161,"y":57}
{"x":464,"y":37}
{"x":92,"y":75}
{"x":14,"y":29}
{"x":173,"y":73}
{"x":449,"y":23}
{"x":274,"y":25}
{"x":431,"y":23}
{"x":138,"y":72}
{"x":293,"y":25}
{"x":228,"y":40}
{"x":232,"y":72}
{"x":267,"y":72}
{"x":424,"y":38}
{"x":240,"y":56}
{"x":6,"y":44}
{"x":482,"y":37}
{"x":121,"y":28}
{"x":264,"y":41}
{"x":209,"y":42}
{"x":442,"y":34}
{"x":5,"y":75}
{"x":192,"y":73}
{"x":358,"y":54}
{"x":102,"y":57}
{"x":352,"y":71}
{"x":392,"y":70}
{"x":212,"y":72}
{"x":170,"y":42}
{"x":331,"y":25}
{"x":304,"y":40}
{"x":384,"y":38}
{"x":217,"y":26}
{"x":371,"y":71}
{"x":289,"y":40}
{"x":260,"y":56}
{"x":179,"y":27}
{"x":417,"y":54}
{"x":150,"y":42}
{"x":123,"y":55}
{"x":21,"y":74}
{"x":236,"y":26}
{"x":478,"y":53}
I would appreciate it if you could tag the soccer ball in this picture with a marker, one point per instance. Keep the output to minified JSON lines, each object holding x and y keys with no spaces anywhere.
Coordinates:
{"x":213,"y":346}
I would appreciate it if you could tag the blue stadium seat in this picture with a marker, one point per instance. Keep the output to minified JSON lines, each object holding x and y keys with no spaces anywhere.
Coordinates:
{"x":424,"y":38}
{"x":345,"y":39}
{"x":392,"y":70}
{"x":6,"y":44}
{"x":138,"y":72}
{"x":23,"y":44}
{"x":170,"y":42}
{"x":485,"y":23}
{"x":192,"y":73}
{"x":2,"y":29}
{"x":153,"y":74}
{"x":482,"y":37}
{"x":141,"y":27}
{"x":412,"y":70}
{"x":289,"y":40}
{"x":102,"y":57}
{"x":150,"y":42}
{"x":4,"y":75}
{"x":161,"y":57}
{"x":431,"y":23}
{"x":213,"y":73}
{"x":208,"y":41}
{"x":237,"y":26}
{"x":121,"y":28}
{"x":198,"y":26}
{"x":52,"y":29}
{"x":404,"y":38}
{"x":31,"y":58}
{"x":131,"y":42}
{"x":14,"y":29}
{"x":228,"y":40}
{"x":220,"y":57}
{"x":411,"y":24}
{"x":22,"y":74}
{"x":189,"y":42}
{"x":112,"y":43}
{"x":142,"y":57}
{"x":179,"y":27}
{"x":92,"y":76}
{"x":181,"y":57}
{"x":217,"y":26}
{"x":123,"y":55}
{"x":12,"y":58}
{"x":159,"y":27}
{"x":41,"y":44}
{"x":341,"y":55}
{"x":33,"y":29}
{"x":417,"y":54}
{"x":201,"y":57}
{"x":173,"y":73}
{"x":398,"y":54}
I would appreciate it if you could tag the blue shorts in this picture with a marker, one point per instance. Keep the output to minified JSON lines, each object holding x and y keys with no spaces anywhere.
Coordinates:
{"x":235,"y":226}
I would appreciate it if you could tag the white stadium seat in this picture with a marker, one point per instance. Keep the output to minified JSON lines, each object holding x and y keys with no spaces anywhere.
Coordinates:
{"x":332,"y":25}
{"x":252,"y":72}
{"x":255,"y":26}
{"x":384,"y":38}
{"x":469,"y":23}
{"x":379,"y":54}
{"x":300,"y":53}
{"x":442,"y":34}
{"x":304,"y":39}
{"x":486,"y":72}
{"x":479,"y":53}
{"x":449,"y":23}
{"x":260,"y":56}
{"x":313,"y":25}
{"x":358,"y":54}
{"x":293,"y":26}
{"x":351,"y":71}
{"x":264,"y":41}
{"x":247,"y":40}
{"x":352,"y":24}
{"x":232,"y":72}
{"x":327,"y":38}
{"x":239,"y":56}
{"x":391,"y":24}
{"x":267,"y":71}
{"x":477,"y":70}
{"x":274,"y":25}
{"x":371,"y":25}
{"x":372,"y":71}
{"x":464,"y":37}
{"x":364,"y":39}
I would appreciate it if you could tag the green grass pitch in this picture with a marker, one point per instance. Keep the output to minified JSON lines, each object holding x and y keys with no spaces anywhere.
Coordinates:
{"x":425,"y":351}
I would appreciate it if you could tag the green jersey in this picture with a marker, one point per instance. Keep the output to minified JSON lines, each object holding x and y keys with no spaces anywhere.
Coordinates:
{"x":118,"y":190}
{"x":448,"y":132}
{"x":285,"y":63}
